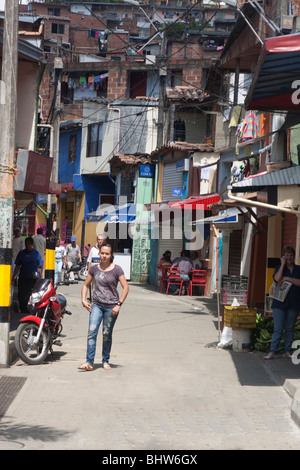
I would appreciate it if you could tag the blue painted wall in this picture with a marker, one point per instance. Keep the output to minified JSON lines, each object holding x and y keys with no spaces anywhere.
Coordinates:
{"x":67,"y":169}
{"x":93,"y":185}
{"x":69,"y":172}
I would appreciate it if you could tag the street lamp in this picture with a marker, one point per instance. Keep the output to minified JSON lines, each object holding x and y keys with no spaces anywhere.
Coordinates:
{"x":134,"y":2}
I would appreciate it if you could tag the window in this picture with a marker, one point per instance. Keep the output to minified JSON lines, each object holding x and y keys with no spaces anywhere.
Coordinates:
{"x":95,"y":135}
{"x":58,"y":28}
{"x":54,"y":11}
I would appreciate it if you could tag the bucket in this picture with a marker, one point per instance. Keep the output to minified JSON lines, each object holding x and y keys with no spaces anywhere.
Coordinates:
{"x":126,"y":250}
{"x":241,"y":339}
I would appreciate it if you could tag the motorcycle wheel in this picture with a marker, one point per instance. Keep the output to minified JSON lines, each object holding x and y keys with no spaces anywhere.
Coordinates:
{"x":24,"y":341}
{"x":82,"y":274}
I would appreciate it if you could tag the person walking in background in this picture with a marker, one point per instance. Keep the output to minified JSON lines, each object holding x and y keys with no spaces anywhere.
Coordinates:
{"x":39,"y":243}
{"x":105,"y":305}
{"x":285,"y":313}
{"x":29,"y":265}
{"x":18,"y":244}
{"x":59,"y":260}
{"x":72,"y":255}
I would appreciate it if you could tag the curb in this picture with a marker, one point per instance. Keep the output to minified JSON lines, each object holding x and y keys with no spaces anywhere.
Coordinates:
{"x":295,"y":408}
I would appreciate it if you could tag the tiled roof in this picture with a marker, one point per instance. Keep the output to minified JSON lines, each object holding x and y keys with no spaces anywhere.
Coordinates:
{"x":121,"y":161}
{"x":185,"y":146}
{"x":186,"y":93}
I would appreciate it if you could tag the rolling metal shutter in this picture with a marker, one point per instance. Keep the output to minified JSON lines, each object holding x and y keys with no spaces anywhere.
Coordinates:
{"x":171,"y":179}
{"x":172,"y":244}
{"x":235,"y":252}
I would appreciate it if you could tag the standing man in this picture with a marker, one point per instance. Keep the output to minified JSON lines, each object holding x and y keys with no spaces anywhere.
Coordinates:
{"x":94,"y":257}
{"x":39,"y":244}
{"x":72,"y":255}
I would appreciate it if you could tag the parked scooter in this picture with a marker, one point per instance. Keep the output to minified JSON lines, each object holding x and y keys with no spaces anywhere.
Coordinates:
{"x":39,"y":330}
{"x":80,"y":270}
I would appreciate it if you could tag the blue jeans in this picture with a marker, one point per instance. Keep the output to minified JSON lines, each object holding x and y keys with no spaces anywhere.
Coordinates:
{"x":99,"y":313}
{"x":284,"y":320}
{"x":58,"y":268}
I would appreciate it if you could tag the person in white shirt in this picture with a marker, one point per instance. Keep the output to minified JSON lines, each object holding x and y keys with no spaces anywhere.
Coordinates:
{"x":59,"y":260}
{"x":195,"y":261}
{"x":94,"y":257}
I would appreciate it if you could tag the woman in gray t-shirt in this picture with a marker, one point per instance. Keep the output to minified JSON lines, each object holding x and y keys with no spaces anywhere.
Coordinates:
{"x":105,"y":305}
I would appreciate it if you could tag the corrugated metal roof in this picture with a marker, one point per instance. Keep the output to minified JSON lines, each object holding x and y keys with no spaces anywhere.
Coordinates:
{"x":278,"y":67}
{"x":283,"y":177}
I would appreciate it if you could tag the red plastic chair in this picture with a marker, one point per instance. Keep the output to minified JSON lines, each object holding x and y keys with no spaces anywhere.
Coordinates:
{"x":161,"y":276}
{"x":174,"y":278}
{"x":199,"y":278}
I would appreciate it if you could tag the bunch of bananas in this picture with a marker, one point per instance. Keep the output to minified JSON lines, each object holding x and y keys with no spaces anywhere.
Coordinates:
{"x":262,"y":335}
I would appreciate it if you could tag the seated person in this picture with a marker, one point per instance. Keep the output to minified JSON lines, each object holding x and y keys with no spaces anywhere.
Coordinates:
{"x":165,"y":260}
{"x":185,"y":265}
{"x":195,"y":261}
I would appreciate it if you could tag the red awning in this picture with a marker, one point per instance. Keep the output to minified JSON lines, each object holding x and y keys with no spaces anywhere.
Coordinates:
{"x":193,"y":202}
{"x":288,"y":43}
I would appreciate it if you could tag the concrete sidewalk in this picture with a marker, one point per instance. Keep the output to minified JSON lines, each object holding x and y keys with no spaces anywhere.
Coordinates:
{"x":170,"y":387}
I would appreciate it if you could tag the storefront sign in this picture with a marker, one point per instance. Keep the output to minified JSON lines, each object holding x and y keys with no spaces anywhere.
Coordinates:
{"x":176,"y":192}
{"x":34,"y":171}
{"x":146,"y":171}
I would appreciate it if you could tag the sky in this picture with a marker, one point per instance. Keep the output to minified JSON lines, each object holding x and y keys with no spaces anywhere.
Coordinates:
{"x":2,"y":3}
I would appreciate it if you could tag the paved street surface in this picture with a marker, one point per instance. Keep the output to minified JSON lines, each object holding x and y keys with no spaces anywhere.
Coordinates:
{"x":169,"y":388}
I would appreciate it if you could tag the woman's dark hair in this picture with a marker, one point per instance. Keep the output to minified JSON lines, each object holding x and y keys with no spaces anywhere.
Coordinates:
{"x":29,"y":239}
{"x":288,"y":249}
{"x":167,"y":253}
{"x":111,"y":250}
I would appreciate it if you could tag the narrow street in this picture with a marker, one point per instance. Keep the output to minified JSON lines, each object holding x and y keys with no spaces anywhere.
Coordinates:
{"x":169,"y":388}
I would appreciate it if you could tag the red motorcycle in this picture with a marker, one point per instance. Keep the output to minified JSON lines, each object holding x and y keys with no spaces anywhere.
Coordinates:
{"x":38,"y":331}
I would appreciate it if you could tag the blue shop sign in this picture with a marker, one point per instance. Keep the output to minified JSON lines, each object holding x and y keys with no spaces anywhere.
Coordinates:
{"x":176,"y":192}
{"x":146,"y":171}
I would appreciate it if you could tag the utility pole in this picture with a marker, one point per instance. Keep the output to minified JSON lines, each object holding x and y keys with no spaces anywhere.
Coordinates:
{"x":50,"y":242}
{"x":8,"y":113}
{"x":162,"y":80}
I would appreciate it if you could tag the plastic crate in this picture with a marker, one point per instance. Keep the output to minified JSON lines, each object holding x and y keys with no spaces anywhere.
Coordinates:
{"x":227,"y":296}
{"x":240,"y":317}
{"x":234,"y":282}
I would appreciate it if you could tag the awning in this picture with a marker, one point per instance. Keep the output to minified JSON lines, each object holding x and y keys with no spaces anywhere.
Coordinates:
{"x":117,"y":215}
{"x":194,"y":202}
{"x":285,"y":177}
{"x":274,"y":84}
{"x":225,"y":216}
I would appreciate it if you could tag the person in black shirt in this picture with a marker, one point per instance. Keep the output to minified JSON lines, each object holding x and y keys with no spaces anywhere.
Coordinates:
{"x":285,"y":313}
